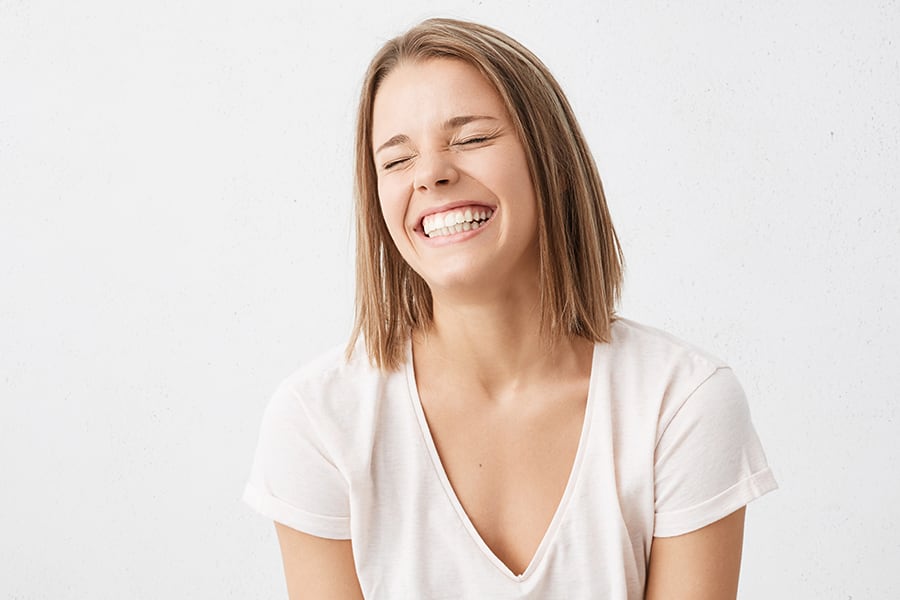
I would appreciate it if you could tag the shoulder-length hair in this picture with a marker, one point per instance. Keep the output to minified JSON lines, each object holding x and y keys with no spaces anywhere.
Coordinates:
{"x":581,"y":261}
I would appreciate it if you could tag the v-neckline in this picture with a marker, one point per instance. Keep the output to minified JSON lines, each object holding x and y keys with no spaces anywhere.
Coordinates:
{"x":558,"y":515}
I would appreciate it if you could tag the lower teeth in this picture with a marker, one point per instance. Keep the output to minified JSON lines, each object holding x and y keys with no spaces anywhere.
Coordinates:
{"x":472,"y":225}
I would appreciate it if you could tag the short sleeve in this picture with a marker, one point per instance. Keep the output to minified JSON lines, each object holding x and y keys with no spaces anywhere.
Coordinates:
{"x":293,"y":479}
{"x":708,"y":461}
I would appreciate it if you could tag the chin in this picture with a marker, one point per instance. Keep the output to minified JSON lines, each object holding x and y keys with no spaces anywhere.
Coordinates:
{"x":461,"y":283}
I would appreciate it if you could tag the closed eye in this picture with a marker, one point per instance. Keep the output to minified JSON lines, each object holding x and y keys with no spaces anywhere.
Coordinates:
{"x":394,"y":163}
{"x":473,"y":140}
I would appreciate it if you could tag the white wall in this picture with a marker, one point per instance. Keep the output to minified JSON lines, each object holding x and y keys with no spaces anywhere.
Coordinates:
{"x":175,"y":237}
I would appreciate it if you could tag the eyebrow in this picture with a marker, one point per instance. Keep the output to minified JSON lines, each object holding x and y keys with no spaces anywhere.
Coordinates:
{"x":451,"y":123}
{"x":457,"y":122}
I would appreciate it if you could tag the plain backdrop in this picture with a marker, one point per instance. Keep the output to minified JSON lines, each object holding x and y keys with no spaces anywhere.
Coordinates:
{"x":176,"y":238}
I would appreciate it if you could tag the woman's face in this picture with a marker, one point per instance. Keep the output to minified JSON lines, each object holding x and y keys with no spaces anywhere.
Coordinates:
{"x":453,"y":180}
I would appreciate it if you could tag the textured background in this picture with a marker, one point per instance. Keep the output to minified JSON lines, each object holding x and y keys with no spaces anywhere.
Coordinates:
{"x":175,"y":238}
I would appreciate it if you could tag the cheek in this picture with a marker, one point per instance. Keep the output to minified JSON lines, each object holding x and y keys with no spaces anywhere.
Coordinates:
{"x":392,"y":212}
{"x":523,"y":181}
{"x":392,"y":198}
{"x":516,"y":182}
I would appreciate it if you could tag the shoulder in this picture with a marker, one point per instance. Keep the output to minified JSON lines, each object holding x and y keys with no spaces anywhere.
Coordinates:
{"x":655,"y":374}
{"x":331,"y":372}
{"x":339,"y":397}
{"x":333,"y":376}
{"x":654,"y":347}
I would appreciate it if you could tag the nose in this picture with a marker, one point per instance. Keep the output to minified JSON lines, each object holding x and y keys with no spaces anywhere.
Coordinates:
{"x":433,"y":170}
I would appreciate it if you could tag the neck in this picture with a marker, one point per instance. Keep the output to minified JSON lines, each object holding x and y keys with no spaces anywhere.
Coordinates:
{"x":497,"y":346}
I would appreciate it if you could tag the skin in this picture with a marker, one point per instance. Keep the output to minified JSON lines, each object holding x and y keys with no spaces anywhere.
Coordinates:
{"x":439,"y":164}
{"x":701,"y":565}
{"x":316,"y":568}
{"x":504,"y":408}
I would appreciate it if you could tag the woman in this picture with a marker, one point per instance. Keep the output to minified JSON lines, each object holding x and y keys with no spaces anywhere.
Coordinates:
{"x":494,"y":430}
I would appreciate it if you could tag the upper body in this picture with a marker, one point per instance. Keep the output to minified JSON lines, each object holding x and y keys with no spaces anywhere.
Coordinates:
{"x":664,"y":446}
{"x":497,"y":432}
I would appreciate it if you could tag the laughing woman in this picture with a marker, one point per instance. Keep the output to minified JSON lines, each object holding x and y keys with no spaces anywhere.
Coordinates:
{"x":494,"y":429}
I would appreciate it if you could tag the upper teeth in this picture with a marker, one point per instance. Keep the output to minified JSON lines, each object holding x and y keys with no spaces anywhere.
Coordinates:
{"x":454,"y":221}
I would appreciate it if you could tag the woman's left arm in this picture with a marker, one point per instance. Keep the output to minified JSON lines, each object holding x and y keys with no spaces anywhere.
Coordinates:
{"x":700,"y":565}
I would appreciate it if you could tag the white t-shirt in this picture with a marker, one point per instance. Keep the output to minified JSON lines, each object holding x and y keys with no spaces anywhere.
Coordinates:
{"x":667,"y":447}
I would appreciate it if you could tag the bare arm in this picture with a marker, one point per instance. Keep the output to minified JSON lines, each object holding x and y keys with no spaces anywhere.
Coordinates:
{"x":700,"y":565}
{"x":317,"y":568}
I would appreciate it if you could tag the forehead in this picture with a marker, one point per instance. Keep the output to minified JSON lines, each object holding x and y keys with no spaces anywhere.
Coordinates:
{"x":428,"y":92}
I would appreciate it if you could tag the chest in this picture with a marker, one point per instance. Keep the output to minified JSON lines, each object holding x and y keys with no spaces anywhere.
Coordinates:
{"x":508,"y":466}
{"x":435,"y":524}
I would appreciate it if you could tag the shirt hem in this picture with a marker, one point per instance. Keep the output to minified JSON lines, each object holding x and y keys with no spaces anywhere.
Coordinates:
{"x":680,"y":522}
{"x":334,"y":528}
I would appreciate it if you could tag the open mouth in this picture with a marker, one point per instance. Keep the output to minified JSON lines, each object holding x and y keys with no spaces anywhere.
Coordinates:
{"x":455,"y":221}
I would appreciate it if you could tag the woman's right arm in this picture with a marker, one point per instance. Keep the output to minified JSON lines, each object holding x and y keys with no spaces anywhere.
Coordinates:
{"x":317,"y":568}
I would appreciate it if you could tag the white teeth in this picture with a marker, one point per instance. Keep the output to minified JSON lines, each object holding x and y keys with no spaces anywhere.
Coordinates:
{"x":454,"y":221}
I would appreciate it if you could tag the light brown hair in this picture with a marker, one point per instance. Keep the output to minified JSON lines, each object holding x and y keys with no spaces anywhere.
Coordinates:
{"x":581,"y":262}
